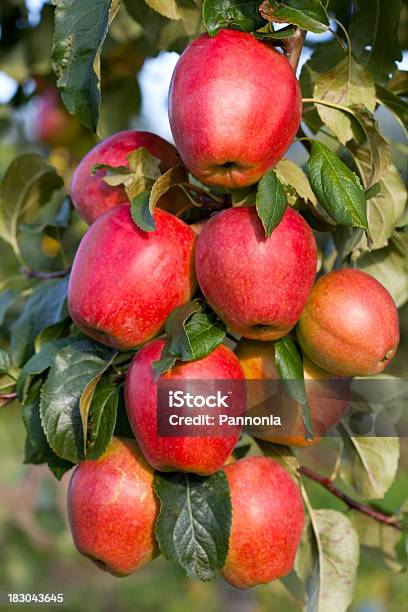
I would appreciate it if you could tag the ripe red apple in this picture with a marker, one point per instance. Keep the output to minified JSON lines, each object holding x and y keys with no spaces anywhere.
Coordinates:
{"x":90,"y":194}
{"x":234,"y":108}
{"x":125,"y":282}
{"x":112,"y":509}
{"x":350,"y":324}
{"x":52,"y":123}
{"x":257,"y":285}
{"x":267,"y":522}
{"x":202,"y":454}
{"x":328,"y":395}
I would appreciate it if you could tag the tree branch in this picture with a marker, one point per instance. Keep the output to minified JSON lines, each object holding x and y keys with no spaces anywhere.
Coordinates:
{"x":349,"y":501}
{"x":6,"y":398}
{"x":44,"y":275}
{"x":306,"y":143}
{"x":292,"y":47}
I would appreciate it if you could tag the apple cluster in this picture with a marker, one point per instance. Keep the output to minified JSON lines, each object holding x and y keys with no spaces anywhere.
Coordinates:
{"x":230,"y":124}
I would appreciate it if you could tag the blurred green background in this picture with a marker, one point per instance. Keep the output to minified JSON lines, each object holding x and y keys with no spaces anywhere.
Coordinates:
{"x":36,"y":550}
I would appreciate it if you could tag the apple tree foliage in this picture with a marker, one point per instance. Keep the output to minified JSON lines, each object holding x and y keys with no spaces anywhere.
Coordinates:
{"x":349,"y":187}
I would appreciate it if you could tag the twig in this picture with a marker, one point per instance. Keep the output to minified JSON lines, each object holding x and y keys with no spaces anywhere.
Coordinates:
{"x":200,"y":190}
{"x":44,"y":275}
{"x":6,"y":398}
{"x":205,"y":201}
{"x":209,"y":205}
{"x":231,"y":337}
{"x":292,"y":47}
{"x":349,"y":501}
{"x":305,"y":141}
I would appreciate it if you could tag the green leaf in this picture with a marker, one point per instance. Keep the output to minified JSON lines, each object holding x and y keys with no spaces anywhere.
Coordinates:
{"x":390,"y":267}
{"x":142,"y":171}
{"x":165,"y":363}
{"x":290,"y":367}
{"x":40,"y":362}
{"x":338,"y":188}
{"x":45,"y":306}
{"x":205,"y":332}
{"x":395,"y":104}
{"x":191,"y":334}
{"x":327,"y":561}
{"x":403,"y":220}
{"x":369,"y":464}
{"x":372,"y":191}
{"x":377,"y":542}
{"x":373,"y":32}
{"x":243,"y":197}
{"x":307,"y":14}
{"x":53,"y":332}
{"x":27,"y":185}
{"x":292,"y":175}
{"x":194,"y":523}
{"x":282,"y":454}
{"x":98,"y":404}
{"x":266,"y":33}
{"x":399,"y":83}
{"x":167,"y":181}
{"x":378,"y":147}
{"x":72,"y":370}
{"x":37,"y":449}
{"x":55,"y":214}
{"x":4,"y":361}
{"x":270,"y":201}
{"x":141,"y":213}
{"x":346,"y":84}
{"x":241,"y":450}
{"x":404,"y":522}
{"x":7,"y":299}
{"x":101,"y":418}
{"x":385,"y":208}
{"x":162,"y":33}
{"x":294,"y":585}
{"x":234,"y":14}
{"x":167,"y":8}
{"x":80,"y":30}
{"x":324,"y":58}
{"x":7,"y":384}
{"x":177,"y":338}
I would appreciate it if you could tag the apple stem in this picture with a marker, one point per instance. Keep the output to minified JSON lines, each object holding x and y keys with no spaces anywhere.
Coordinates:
{"x":44,"y":275}
{"x":386,"y":519}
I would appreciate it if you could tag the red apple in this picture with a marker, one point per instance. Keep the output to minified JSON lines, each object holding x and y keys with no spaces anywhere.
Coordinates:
{"x":52,"y":123}
{"x":328,"y":395}
{"x":90,"y":194}
{"x":125,"y":282}
{"x":112,"y":509}
{"x":202,"y":454}
{"x":350,"y":324}
{"x":267,"y":522}
{"x":257,"y":285}
{"x":234,"y":107}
